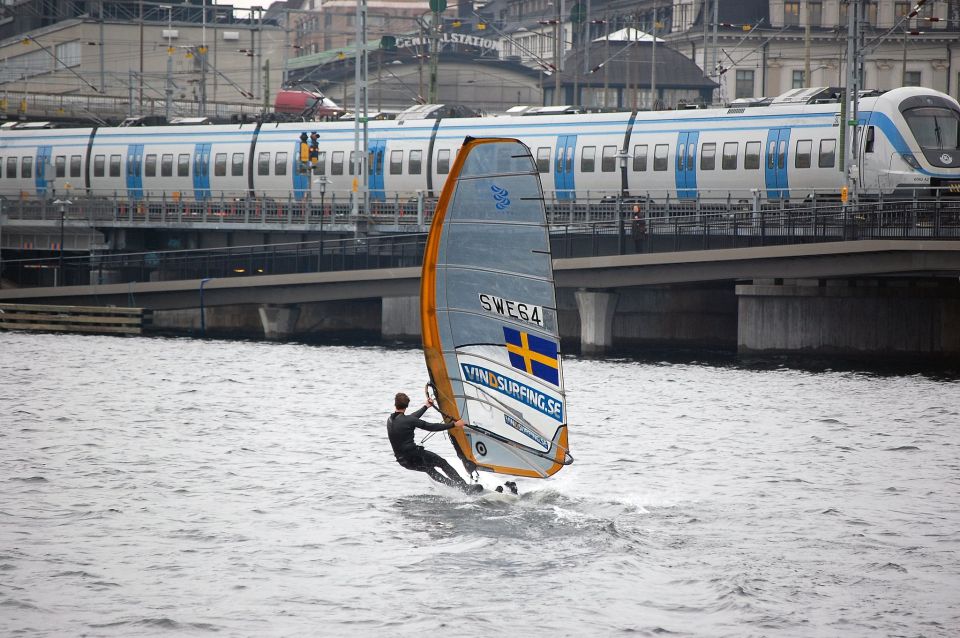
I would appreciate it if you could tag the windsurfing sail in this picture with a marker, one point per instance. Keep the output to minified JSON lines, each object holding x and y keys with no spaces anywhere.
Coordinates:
{"x":489,"y":314}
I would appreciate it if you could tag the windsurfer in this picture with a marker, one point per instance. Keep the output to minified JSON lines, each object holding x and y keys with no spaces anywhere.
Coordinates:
{"x":400,"y":429}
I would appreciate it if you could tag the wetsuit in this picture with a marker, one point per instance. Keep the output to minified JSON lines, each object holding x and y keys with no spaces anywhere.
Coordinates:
{"x":400,"y":429}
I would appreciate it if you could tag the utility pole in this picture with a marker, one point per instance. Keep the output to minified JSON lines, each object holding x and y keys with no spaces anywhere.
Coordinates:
{"x":806,"y":44}
{"x":202,"y":52}
{"x":169,"y":88}
{"x":653,"y":62}
{"x":851,"y":98}
{"x":103,"y":77}
{"x":713,"y":60}
{"x":360,"y":111}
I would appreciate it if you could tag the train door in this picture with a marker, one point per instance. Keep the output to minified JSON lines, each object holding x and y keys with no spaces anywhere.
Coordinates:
{"x":686,"y":166}
{"x":775,"y":173}
{"x":563,"y":181}
{"x":135,"y":171}
{"x":201,"y":171}
{"x":300,"y":172}
{"x":40,"y":174}
{"x":376,"y":151}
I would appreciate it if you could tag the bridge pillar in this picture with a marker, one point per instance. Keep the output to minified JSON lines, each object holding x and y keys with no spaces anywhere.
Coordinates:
{"x":596,"y":319}
{"x":278,"y":320}
{"x":881,"y":318}
{"x":400,"y":318}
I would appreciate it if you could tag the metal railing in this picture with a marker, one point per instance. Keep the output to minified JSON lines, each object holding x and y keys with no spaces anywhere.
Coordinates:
{"x":577,"y":230}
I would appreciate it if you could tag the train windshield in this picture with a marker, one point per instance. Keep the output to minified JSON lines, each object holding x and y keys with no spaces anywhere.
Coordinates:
{"x":936,"y":128}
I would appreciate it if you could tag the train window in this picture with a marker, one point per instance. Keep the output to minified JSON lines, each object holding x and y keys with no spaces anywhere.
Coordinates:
{"x":75,"y":163}
{"x":396,"y":162}
{"x":640,"y":157}
{"x":263,"y":164}
{"x":336,"y":163}
{"x":681,"y":156}
{"x":280,"y":164}
{"x":99,"y":162}
{"x":26,"y":167}
{"x":378,"y":162}
{"x":415,"y":162}
{"x":560,"y":161}
{"x":868,"y":146}
{"x":608,"y":161}
{"x":751,"y":156}
{"x":708,"y":157}
{"x":772,"y":154}
{"x":782,"y":155}
{"x":236,"y":165}
{"x":729,"y":161}
{"x":60,"y":165}
{"x":321,"y":168}
{"x":828,"y":153}
{"x":802,"y":159}
{"x":660,"y":152}
{"x":166,"y":164}
{"x":150,"y":166}
{"x":543,"y":159}
{"x":353,"y":161}
{"x":183,"y":164}
{"x":114,"y":166}
{"x":443,"y":161}
{"x":11,"y":167}
{"x":587,"y":158}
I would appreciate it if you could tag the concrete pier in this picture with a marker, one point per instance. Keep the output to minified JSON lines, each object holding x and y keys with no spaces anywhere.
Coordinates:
{"x":400,"y":318}
{"x":279,"y":321}
{"x":879,"y":318}
{"x":596,"y":320}
{"x":682,"y":315}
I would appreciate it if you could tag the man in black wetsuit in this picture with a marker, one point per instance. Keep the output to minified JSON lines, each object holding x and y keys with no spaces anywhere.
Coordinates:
{"x":400,"y":429}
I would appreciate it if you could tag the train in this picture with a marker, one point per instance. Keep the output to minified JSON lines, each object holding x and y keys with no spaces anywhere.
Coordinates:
{"x":785,"y":148}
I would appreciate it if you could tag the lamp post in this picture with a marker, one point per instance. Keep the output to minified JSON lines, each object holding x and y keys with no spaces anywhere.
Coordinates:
{"x":322,"y":181}
{"x":63,"y":203}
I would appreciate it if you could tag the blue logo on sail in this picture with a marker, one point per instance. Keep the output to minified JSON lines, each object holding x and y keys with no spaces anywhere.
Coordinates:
{"x":539,"y":401}
{"x":534,"y":355}
{"x":501,"y":195}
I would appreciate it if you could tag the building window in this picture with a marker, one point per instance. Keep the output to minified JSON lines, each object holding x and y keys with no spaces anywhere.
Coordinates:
{"x":114,"y":166}
{"x":443,"y":161}
{"x":60,"y":164}
{"x":797,"y":80}
{"x":236,"y":165}
{"x":815,"y":14}
{"x":828,"y":153}
{"x":802,"y":158}
{"x":150,"y":166}
{"x":708,"y":157}
{"x":416,"y":160}
{"x":280,"y":164}
{"x":183,"y":164}
{"x":608,"y":161}
{"x":751,"y":156}
{"x":263,"y":164}
{"x":744,"y":83}
{"x":911,"y":78}
{"x":99,"y":162}
{"x":640,"y":157}
{"x":587,"y":157}
{"x":729,"y":162}
{"x":543,"y":159}
{"x":660,"y":152}
{"x":791,"y":14}
{"x":396,"y":162}
{"x":219,"y":164}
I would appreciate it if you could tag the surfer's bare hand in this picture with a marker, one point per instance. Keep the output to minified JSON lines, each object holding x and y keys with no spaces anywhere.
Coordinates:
{"x":430,"y":403}
{"x":459,"y":423}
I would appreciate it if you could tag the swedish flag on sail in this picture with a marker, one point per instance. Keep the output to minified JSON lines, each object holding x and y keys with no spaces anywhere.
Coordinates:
{"x":534,"y":355}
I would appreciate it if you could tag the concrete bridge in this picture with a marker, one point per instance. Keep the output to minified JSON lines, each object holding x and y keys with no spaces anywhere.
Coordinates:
{"x":873,"y":297}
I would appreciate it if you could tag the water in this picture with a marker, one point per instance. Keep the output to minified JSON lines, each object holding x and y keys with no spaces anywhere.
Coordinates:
{"x":168,"y":487}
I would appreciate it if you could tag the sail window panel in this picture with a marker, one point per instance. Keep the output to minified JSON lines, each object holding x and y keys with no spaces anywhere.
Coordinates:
{"x":166,"y":164}
{"x":485,"y":159}
{"x":443,"y":161}
{"x":99,"y":164}
{"x":514,"y":250}
{"x":150,"y":166}
{"x":519,"y":300}
{"x":518,"y":196}
{"x":60,"y":165}
{"x":608,"y":161}
{"x":543,"y":159}
{"x":472,"y":328}
{"x":219,"y":164}
{"x":280,"y":164}
{"x":587,"y":159}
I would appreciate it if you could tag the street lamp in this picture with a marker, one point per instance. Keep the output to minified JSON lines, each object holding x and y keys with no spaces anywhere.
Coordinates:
{"x":63,"y":203}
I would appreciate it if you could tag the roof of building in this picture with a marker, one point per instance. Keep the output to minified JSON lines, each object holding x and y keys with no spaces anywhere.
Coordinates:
{"x":618,"y":63}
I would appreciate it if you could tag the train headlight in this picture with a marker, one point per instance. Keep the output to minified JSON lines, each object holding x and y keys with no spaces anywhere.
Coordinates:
{"x":911,"y":160}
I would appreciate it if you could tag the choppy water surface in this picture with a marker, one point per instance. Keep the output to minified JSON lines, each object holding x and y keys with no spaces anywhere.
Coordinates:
{"x":170,"y":486}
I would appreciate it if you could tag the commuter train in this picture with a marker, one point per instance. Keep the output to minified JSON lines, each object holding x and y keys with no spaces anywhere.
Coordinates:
{"x":789,"y":148}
